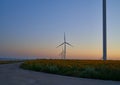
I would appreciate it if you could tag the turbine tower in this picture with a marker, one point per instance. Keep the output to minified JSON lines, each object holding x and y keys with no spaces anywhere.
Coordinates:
{"x":104,"y":31}
{"x":61,"y":54}
{"x":64,"y":43}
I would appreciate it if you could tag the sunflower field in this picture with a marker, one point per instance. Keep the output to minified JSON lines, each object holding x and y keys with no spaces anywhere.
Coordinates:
{"x":95,"y":69}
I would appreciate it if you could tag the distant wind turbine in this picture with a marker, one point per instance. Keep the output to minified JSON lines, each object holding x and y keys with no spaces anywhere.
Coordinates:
{"x":104,"y":31}
{"x":61,"y":53}
{"x":64,"y":43}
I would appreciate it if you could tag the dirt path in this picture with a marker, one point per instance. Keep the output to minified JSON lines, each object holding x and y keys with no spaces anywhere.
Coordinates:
{"x":11,"y":74}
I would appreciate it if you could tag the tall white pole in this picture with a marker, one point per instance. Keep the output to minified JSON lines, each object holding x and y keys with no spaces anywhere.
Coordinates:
{"x":104,"y":31}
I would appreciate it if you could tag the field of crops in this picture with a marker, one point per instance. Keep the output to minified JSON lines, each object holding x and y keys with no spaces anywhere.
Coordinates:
{"x":96,"y":69}
{"x":7,"y":62}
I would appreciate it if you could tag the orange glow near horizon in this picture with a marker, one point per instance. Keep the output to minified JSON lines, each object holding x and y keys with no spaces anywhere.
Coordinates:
{"x":83,"y":51}
{"x":72,"y":53}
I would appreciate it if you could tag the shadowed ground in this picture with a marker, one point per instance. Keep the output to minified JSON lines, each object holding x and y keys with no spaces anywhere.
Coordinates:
{"x":11,"y":74}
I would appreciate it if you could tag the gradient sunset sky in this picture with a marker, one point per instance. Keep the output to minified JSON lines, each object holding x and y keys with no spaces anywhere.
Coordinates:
{"x":33,"y":28}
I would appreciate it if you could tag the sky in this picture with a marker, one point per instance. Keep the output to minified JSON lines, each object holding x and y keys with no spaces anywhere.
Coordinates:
{"x":33,"y":28}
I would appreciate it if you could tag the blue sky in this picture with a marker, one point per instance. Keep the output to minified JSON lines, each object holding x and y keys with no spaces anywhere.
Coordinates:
{"x":36,"y":27}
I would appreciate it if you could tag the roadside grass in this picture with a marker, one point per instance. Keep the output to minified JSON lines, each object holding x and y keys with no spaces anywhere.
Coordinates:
{"x":8,"y":62}
{"x":95,"y":69}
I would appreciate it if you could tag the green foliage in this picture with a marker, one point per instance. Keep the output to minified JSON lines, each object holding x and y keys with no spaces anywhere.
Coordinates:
{"x":97,"y":69}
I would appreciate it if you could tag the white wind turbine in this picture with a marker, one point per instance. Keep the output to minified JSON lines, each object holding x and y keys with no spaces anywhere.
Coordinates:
{"x":64,"y":43}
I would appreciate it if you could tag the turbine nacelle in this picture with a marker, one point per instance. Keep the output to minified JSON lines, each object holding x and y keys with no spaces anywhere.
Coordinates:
{"x":64,"y":43}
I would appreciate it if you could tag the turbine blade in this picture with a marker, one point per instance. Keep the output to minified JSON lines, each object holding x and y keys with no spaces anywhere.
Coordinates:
{"x":69,"y":44}
{"x":59,"y":45}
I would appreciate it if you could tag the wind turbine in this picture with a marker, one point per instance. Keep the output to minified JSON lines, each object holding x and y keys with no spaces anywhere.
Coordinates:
{"x":104,"y":31}
{"x":64,"y":43}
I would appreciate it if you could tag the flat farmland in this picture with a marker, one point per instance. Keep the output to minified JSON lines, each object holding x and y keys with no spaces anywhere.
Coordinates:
{"x":93,"y":69}
{"x":8,"y":62}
